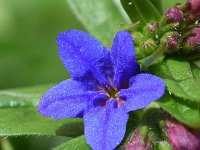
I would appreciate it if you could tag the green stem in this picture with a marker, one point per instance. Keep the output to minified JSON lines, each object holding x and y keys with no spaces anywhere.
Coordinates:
{"x":146,"y":62}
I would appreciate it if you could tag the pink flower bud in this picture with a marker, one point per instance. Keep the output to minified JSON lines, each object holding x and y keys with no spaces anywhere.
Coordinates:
{"x":152,"y":27}
{"x":194,"y":39}
{"x":172,"y":43}
{"x":137,"y":143}
{"x":195,"y":4}
{"x":180,"y":137}
{"x":171,"y":40}
{"x":193,"y":8}
{"x":174,"y":15}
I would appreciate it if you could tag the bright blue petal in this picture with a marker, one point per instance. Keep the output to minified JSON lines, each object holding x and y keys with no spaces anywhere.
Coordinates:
{"x":70,"y":98}
{"x":144,"y":89}
{"x":123,"y":58}
{"x":105,"y":126}
{"x":83,"y":55}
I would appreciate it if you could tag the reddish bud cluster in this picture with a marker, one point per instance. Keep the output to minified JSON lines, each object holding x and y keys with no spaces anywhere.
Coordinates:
{"x":174,"y":15}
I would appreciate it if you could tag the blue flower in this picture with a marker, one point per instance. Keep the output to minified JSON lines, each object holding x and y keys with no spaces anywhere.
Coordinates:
{"x":105,"y":86}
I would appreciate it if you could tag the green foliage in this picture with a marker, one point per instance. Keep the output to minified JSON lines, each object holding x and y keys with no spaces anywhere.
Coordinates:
{"x":19,"y":115}
{"x":22,"y":97}
{"x":75,"y":144}
{"x":163,"y":145}
{"x":158,"y":4}
{"x":28,"y":49}
{"x":100,"y":17}
{"x":142,"y":10}
{"x":181,"y":78}
{"x":184,"y":111}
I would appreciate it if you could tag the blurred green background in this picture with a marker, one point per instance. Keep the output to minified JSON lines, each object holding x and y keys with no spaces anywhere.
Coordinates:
{"x":28,"y":31}
{"x":28,"y":50}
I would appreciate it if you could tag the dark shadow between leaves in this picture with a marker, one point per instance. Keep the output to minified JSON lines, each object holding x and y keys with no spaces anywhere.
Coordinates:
{"x":71,"y":129}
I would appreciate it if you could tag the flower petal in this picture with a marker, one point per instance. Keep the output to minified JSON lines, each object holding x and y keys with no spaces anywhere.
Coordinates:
{"x":123,"y":57}
{"x":105,"y":126}
{"x":83,"y":55}
{"x":69,"y":98}
{"x":144,"y":89}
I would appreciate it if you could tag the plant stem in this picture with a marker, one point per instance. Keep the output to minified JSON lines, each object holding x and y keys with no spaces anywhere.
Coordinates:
{"x":146,"y":62}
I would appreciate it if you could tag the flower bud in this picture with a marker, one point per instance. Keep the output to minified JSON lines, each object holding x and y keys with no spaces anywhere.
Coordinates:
{"x":171,"y":41}
{"x":180,"y":137}
{"x":195,"y":6}
{"x":192,"y":8}
{"x":137,"y":37}
{"x":152,"y":27}
{"x":194,"y":39}
{"x":139,"y":140}
{"x":149,"y":46}
{"x":174,"y":15}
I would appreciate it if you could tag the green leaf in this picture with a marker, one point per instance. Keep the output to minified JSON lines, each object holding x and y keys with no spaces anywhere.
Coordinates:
{"x":162,"y":145}
{"x":158,"y":4}
{"x":100,"y":17}
{"x":19,"y":115}
{"x":184,"y":111}
{"x":196,"y":73}
{"x":22,"y":97}
{"x":142,"y":10}
{"x":181,"y":79}
{"x":75,"y":144}
{"x":27,"y":121}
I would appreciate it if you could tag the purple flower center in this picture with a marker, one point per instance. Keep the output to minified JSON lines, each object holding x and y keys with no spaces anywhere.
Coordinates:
{"x":109,"y":94}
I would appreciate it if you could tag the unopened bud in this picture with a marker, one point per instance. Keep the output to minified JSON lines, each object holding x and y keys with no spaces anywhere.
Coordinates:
{"x":194,"y":39}
{"x":192,"y":7}
{"x":195,"y":5}
{"x":152,"y":27}
{"x":180,"y":137}
{"x":139,"y":140}
{"x":149,"y":46}
{"x":174,"y":15}
{"x":171,"y":41}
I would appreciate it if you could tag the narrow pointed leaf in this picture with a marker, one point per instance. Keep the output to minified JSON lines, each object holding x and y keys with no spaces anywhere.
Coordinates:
{"x":159,"y":5}
{"x":100,"y":17}
{"x":19,"y":115}
{"x":22,"y":97}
